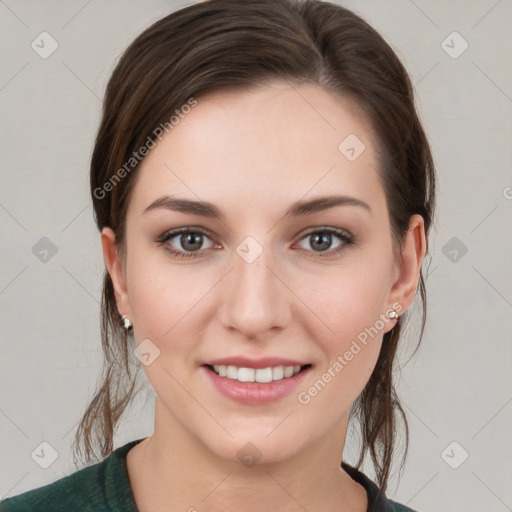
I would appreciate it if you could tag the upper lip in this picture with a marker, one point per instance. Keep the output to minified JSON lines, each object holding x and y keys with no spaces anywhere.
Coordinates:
{"x":244,"y":362}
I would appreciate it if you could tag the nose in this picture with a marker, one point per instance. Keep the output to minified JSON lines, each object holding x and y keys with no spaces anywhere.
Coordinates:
{"x":254,"y":298}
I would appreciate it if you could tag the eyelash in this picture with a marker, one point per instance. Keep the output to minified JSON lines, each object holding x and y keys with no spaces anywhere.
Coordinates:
{"x":345,"y":237}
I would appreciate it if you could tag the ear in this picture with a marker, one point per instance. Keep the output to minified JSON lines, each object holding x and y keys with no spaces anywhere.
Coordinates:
{"x":409,"y":266}
{"x":115,"y":269}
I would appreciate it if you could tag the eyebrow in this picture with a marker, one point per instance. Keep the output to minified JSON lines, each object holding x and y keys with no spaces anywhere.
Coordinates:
{"x":298,"y":209}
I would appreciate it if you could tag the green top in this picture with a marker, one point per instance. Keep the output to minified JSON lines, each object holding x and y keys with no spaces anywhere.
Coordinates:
{"x":105,"y":486}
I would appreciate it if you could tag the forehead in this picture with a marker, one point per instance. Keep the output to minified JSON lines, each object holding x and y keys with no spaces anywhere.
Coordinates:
{"x":262,"y":148}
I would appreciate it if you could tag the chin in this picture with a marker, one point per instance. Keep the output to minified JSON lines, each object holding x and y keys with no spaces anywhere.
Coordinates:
{"x":257,"y":447}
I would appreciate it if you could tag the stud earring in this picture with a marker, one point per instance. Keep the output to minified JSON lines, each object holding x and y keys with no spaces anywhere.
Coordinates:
{"x":393,"y":314}
{"x":125,"y":322}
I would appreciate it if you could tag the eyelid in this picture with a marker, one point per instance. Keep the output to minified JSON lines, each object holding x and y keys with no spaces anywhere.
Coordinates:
{"x":171,"y":233}
{"x":327,"y":229}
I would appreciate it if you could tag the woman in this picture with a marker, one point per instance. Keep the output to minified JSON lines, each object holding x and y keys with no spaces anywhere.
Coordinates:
{"x":264,"y":192}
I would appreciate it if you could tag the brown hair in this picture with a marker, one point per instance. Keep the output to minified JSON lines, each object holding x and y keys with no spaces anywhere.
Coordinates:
{"x":221,"y":43}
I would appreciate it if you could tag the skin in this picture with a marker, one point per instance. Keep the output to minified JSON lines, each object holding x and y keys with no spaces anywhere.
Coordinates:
{"x":252,"y":154}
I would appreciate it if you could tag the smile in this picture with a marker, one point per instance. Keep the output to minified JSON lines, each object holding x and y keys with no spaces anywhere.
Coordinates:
{"x":255,"y":386}
{"x":261,"y":375}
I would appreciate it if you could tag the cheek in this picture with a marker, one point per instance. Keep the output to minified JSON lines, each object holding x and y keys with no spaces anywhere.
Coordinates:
{"x":349,"y":299}
{"x":166,"y":301}
{"x":164,"y":308}
{"x":348,"y":325}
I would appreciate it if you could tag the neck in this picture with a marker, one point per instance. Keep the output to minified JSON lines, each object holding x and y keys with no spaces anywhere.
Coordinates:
{"x":172,"y":470}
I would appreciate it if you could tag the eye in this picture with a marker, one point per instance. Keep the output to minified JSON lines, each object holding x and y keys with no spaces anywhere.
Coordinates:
{"x":321,"y":240}
{"x":188,"y":242}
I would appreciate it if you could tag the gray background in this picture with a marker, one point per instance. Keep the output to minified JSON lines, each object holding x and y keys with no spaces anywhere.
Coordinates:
{"x":458,"y":388}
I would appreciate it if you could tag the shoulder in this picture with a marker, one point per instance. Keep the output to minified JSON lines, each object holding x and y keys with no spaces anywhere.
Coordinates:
{"x":377,"y":500}
{"x":93,"y":488}
{"x":83,"y":488}
{"x":393,"y":506}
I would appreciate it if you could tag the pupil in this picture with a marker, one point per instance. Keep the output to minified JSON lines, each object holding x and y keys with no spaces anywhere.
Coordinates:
{"x":324,"y":239}
{"x":188,"y":241}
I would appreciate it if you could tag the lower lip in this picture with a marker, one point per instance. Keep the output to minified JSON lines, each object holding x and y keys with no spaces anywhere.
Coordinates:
{"x":255,"y":393}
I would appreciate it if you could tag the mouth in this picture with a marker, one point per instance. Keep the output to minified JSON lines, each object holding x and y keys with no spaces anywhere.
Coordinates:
{"x":256,"y":386}
{"x":257,"y":375}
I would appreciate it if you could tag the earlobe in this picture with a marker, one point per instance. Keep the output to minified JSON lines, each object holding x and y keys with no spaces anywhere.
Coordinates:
{"x":115,"y":269}
{"x":413,"y":252}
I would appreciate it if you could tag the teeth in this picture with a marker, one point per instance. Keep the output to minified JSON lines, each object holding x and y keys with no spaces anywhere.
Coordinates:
{"x":246,"y":374}
{"x":288,"y":371}
{"x":232,"y":372}
{"x":278,"y":373}
{"x":261,"y":375}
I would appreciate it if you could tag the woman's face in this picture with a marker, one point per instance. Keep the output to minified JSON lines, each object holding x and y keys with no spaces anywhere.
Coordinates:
{"x":260,"y":276}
